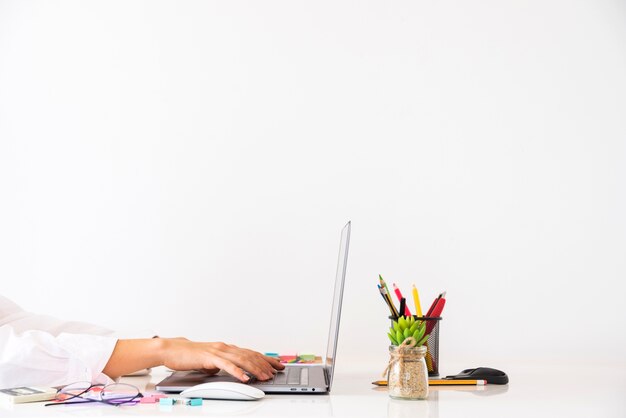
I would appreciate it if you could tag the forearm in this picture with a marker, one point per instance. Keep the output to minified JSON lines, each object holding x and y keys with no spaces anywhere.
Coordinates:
{"x":132,"y":355}
{"x":182,"y":354}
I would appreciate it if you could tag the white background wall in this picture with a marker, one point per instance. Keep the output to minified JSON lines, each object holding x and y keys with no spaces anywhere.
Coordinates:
{"x":186,"y":166}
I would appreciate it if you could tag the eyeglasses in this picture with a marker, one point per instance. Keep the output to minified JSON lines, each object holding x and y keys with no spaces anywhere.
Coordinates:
{"x":84,"y":392}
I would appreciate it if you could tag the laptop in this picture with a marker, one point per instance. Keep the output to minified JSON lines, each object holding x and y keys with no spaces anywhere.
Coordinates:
{"x":296,"y":378}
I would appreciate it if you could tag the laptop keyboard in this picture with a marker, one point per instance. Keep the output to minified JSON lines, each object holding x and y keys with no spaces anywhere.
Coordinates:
{"x":293,"y":376}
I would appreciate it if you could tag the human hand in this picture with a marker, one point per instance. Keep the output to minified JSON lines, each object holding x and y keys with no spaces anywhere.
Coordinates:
{"x":182,"y":354}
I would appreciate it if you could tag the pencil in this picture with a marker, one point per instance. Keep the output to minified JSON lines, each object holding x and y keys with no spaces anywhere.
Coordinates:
{"x":416,"y":299}
{"x":432,"y":307}
{"x":389,"y":302}
{"x":442,"y":382}
{"x":382,"y":283}
{"x":405,"y":311}
{"x":380,"y":289}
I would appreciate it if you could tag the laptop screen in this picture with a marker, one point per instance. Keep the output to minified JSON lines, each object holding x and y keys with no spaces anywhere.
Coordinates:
{"x":335,"y":314}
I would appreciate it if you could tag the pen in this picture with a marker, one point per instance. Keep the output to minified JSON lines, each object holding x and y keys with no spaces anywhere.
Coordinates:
{"x":416,"y":300}
{"x":442,"y":382}
{"x":402,"y":306}
{"x":404,"y":311}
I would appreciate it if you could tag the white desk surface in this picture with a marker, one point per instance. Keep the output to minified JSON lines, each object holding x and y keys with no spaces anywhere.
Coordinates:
{"x":546,"y":392}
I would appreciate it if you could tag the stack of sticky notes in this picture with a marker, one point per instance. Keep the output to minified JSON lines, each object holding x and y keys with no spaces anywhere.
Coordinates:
{"x":185,"y":401}
{"x":162,"y":399}
{"x":307,"y":358}
{"x":294,"y":358}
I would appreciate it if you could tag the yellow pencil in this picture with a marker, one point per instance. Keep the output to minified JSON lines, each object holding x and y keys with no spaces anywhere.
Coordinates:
{"x":441,"y":382}
{"x":416,"y":299}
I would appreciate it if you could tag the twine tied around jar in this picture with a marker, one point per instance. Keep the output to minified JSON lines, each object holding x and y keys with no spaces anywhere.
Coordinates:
{"x":400,"y":353}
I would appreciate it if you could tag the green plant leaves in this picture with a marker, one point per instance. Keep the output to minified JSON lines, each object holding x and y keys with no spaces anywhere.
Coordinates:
{"x":399,"y":337}
{"x":406,"y":327}
{"x":419,"y":333}
{"x":402,"y":322}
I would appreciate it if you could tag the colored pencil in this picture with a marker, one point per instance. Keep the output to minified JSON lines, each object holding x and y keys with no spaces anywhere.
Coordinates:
{"x":416,"y":300}
{"x":442,"y":382}
{"x":405,"y":311}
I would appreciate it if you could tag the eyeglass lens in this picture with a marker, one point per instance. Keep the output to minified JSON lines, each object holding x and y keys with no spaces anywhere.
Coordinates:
{"x":119,"y":393}
{"x":73,"y":390}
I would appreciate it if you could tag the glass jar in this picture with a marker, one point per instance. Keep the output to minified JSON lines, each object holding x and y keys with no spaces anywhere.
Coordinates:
{"x":407,"y":377}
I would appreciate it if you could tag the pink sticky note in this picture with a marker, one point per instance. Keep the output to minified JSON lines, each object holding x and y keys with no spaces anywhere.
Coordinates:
{"x":148,"y":399}
{"x":288,"y":358}
{"x":152,"y":398}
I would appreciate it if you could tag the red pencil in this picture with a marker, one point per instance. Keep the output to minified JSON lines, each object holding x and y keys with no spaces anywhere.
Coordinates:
{"x":441,"y":302}
{"x":430,"y":310}
{"x":407,"y":312}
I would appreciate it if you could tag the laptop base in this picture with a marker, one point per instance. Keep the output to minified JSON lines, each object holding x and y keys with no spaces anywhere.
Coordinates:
{"x":315,"y":383}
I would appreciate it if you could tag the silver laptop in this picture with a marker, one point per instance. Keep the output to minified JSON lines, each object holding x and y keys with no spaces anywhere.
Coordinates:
{"x":295,"y":378}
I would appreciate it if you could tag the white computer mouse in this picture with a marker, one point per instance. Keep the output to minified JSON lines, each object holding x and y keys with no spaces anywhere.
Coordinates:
{"x":224,"y":390}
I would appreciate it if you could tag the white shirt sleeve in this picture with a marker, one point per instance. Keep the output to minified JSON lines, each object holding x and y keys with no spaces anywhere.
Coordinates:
{"x":21,"y":320}
{"x":38,"y":358}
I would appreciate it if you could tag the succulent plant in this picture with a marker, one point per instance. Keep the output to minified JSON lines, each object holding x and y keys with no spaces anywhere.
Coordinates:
{"x":406,"y":327}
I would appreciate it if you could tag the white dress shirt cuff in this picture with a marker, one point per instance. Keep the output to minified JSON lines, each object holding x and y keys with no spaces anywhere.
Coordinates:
{"x":92,"y":353}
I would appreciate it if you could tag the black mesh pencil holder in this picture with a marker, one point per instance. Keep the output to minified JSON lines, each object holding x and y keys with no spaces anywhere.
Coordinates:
{"x":432,"y":355}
